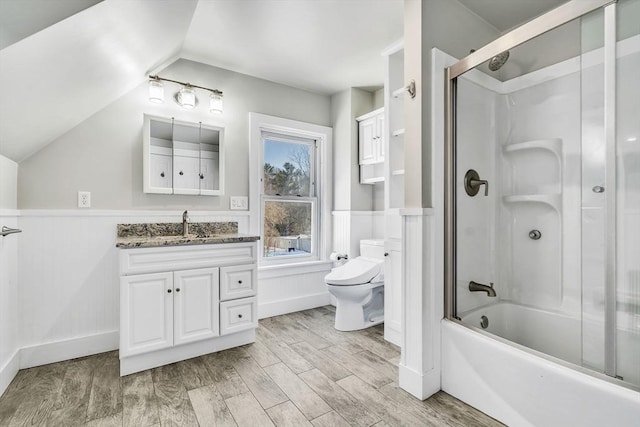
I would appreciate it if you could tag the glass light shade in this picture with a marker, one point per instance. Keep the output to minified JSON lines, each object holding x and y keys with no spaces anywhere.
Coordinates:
{"x":215,"y":103}
{"x":156,"y":91}
{"x":187,"y":97}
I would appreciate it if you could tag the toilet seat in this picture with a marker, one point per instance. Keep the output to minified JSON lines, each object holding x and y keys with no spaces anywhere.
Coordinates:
{"x":357,"y":271}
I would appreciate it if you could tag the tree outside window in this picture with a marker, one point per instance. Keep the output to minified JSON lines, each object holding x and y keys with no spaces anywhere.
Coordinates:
{"x":288,"y":198}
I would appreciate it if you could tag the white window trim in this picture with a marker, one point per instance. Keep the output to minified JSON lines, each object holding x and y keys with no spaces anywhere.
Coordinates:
{"x":259,"y":123}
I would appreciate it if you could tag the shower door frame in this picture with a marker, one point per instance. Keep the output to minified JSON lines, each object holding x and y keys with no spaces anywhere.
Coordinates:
{"x":559,"y":16}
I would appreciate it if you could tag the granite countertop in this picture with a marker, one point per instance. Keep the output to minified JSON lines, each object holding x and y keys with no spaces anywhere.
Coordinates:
{"x":170,"y":234}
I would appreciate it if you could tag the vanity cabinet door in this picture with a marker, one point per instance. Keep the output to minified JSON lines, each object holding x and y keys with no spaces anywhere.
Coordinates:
{"x":146,"y":302}
{"x":186,"y":175}
{"x":209,"y":180}
{"x":367,"y":139}
{"x":196,"y":305}
{"x":161,"y":171}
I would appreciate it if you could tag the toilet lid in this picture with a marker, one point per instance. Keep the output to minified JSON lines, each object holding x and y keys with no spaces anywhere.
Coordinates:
{"x":355,"y":272}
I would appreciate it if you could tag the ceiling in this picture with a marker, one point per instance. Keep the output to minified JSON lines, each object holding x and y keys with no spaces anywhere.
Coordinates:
{"x":507,"y":14}
{"x":64,"y":60}
{"x":322,"y":46}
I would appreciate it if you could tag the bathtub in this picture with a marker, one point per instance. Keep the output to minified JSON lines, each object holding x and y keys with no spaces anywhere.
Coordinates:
{"x":522,"y":388}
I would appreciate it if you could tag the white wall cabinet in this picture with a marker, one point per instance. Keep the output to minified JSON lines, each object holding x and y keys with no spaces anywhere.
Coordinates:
{"x":182,"y":158}
{"x":371,"y":146}
{"x":170,"y":302}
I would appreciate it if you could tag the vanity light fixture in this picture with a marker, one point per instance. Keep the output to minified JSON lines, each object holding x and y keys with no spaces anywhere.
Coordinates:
{"x":186,"y":96}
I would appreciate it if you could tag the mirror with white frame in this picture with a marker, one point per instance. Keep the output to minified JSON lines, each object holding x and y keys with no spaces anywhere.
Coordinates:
{"x":182,"y":157}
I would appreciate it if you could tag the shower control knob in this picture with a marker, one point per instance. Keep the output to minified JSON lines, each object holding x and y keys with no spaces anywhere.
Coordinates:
{"x":598,"y":189}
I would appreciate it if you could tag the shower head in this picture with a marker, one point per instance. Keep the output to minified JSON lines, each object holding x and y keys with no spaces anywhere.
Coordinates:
{"x":498,"y":61}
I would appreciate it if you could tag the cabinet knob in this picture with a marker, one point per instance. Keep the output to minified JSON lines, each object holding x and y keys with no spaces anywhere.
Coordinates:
{"x":240,"y":281}
{"x":168,"y":291}
{"x":240,"y":316}
{"x":162,"y":174}
{"x":177,"y":289}
{"x":201,"y":176}
{"x":386,"y":254}
{"x":181,"y":173}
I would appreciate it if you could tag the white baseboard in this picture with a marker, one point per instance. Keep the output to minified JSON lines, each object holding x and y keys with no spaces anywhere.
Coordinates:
{"x":57,"y":351}
{"x":9,"y":370}
{"x":420,"y":385}
{"x":291,"y":305}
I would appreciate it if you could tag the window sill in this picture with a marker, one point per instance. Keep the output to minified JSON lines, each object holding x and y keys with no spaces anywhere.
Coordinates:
{"x":281,"y":270}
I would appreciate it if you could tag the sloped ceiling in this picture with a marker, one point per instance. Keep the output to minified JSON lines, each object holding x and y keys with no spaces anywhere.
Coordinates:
{"x":21,"y":18}
{"x":58,"y":77}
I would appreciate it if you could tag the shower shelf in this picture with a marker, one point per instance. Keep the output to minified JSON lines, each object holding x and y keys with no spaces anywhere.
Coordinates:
{"x":553,"y":200}
{"x":552,"y":144}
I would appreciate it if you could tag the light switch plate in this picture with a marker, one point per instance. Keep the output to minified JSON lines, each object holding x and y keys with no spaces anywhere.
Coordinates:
{"x":84,"y":199}
{"x":239,"y":203}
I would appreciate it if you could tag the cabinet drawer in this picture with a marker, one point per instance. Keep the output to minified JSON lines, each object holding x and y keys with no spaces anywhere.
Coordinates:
{"x":238,"y":315}
{"x":238,"y":281}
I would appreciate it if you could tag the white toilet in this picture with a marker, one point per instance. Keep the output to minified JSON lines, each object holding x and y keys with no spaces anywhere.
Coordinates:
{"x":358,"y":287}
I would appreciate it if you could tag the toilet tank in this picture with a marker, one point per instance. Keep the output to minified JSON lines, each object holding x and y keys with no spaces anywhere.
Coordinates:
{"x":373,"y":248}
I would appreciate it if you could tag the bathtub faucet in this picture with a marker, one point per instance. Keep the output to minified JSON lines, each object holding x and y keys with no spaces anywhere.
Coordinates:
{"x":479,"y":287}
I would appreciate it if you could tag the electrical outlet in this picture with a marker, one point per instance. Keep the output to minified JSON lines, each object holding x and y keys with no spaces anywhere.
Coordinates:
{"x":84,"y":199}
{"x":239,"y":203}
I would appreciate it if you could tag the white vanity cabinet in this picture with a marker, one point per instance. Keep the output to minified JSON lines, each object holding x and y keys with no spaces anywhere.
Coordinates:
{"x":180,"y":302}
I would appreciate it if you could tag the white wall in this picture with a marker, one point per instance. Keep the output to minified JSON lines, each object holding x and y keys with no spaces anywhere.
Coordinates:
{"x":8,"y":274}
{"x":348,"y":193}
{"x":104,"y":153}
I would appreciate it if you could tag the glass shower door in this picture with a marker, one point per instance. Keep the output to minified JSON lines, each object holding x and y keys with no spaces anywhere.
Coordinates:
{"x":546,"y":221}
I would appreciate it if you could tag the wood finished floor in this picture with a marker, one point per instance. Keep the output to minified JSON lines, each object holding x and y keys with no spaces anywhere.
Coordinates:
{"x":299,"y":372}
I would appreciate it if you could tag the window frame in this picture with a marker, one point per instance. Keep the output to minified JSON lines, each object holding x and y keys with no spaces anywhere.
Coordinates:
{"x":261,"y":127}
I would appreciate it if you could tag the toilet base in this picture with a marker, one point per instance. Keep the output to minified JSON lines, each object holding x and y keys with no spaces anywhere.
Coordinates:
{"x":355,"y":315}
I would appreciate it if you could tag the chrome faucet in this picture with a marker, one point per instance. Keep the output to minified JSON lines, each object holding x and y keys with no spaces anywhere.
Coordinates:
{"x":185,"y":224}
{"x":479,"y":287}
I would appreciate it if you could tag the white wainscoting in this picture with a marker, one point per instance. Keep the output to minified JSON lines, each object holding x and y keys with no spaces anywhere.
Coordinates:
{"x":286,"y":289}
{"x":349,"y":227}
{"x":9,"y":346}
{"x":68,"y":273}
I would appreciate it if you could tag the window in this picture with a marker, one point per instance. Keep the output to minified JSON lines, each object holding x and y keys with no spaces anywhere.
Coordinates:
{"x":289,"y":184}
{"x":289,"y":201}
